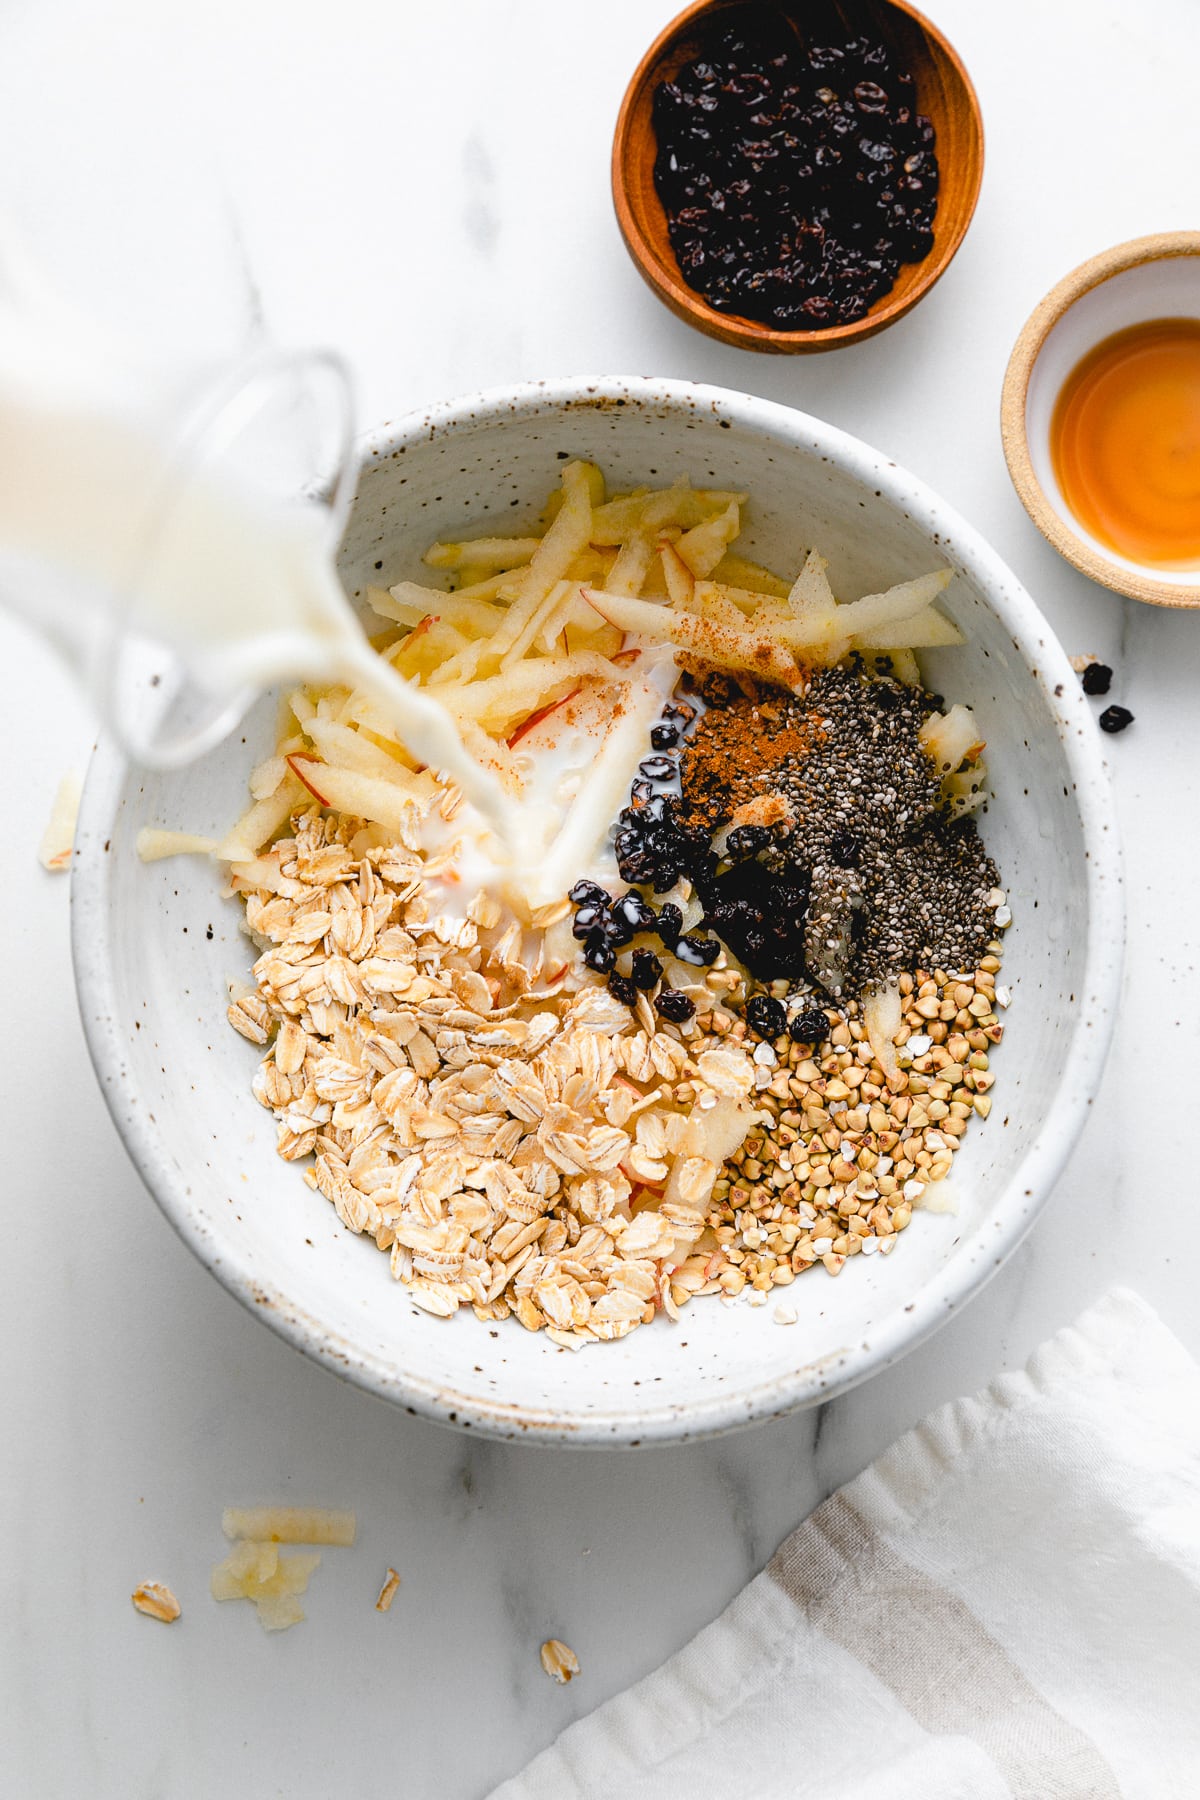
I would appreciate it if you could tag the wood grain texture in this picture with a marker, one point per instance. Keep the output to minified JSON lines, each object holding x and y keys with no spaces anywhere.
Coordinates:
{"x":944,"y":93}
{"x":1056,"y":529}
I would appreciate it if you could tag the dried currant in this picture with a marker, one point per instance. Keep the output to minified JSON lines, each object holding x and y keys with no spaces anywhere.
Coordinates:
{"x":645,"y":970}
{"x":623,"y":989}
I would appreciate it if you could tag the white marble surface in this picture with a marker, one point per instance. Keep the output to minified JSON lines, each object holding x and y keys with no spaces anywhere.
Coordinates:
{"x":426,"y":186}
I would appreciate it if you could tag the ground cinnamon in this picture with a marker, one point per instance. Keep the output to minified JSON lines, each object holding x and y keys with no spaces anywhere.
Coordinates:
{"x":736,"y":752}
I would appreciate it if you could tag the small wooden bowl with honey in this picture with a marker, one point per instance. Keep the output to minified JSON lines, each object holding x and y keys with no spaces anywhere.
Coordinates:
{"x":1100,"y":418}
{"x":795,"y":175}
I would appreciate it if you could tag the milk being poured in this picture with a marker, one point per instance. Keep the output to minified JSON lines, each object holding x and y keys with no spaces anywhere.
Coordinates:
{"x":239,"y":584}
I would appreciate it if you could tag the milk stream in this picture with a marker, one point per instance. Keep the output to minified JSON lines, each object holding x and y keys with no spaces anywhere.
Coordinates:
{"x":240,"y":587}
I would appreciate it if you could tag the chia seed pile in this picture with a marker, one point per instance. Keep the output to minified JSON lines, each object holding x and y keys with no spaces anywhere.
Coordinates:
{"x":812,"y":830}
{"x":890,"y":882}
{"x":796,"y":177}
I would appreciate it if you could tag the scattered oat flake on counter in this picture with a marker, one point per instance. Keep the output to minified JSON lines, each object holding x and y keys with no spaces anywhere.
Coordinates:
{"x":58,"y":839}
{"x":559,"y":1661}
{"x":155,"y":1599}
{"x":388,"y":1591}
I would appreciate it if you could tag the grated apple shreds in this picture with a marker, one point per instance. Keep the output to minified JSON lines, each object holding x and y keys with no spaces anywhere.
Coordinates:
{"x":290,"y":1524}
{"x":58,"y":839}
{"x":155,"y":846}
{"x":472,"y":1097}
{"x":255,"y":1571}
{"x":612,"y":588}
{"x":272,"y":1583}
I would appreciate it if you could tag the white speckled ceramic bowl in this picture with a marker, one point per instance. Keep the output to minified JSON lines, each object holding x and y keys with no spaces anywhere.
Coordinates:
{"x":155,"y":945}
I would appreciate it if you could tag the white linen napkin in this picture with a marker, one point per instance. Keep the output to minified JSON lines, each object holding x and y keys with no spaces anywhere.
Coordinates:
{"x":1006,"y":1606}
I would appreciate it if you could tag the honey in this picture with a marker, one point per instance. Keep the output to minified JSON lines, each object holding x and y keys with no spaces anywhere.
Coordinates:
{"x":1125,"y":442}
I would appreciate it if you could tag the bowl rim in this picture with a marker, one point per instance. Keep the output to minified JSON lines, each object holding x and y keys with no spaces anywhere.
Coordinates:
{"x":1027,"y":1189}
{"x":1134,"y":253}
{"x":750,"y":334}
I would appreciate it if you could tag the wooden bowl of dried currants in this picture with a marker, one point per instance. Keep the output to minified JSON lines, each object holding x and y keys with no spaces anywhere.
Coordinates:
{"x":794,"y":175}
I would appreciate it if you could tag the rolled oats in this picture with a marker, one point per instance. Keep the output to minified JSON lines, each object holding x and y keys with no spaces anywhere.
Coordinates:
{"x":251,"y":1016}
{"x":529,"y":1149}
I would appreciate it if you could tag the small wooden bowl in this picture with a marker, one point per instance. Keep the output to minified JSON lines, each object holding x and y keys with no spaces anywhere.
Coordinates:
{"x":944,"y":93}
{"x":1154,"y":277}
